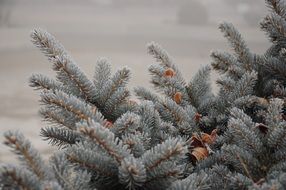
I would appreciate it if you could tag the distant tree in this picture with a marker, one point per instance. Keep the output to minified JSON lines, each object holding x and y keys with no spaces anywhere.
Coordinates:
{"x":5,"y":12}
{"x":236,"y":2}
{"x":251,"y":11}
{"x":192,"y":13}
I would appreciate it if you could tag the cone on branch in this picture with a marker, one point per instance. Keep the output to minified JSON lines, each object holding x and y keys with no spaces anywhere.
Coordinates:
{"x":169,"y":73}
{"x":198,"y":117}
{"x":178,"y":97}
{"x":199,"y":145}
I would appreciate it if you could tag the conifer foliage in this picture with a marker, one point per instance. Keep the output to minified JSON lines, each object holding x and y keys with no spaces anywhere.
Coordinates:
{"x":180,"y":137}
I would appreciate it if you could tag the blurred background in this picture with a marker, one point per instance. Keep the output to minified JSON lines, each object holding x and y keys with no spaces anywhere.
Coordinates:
{"x":116,"y":29}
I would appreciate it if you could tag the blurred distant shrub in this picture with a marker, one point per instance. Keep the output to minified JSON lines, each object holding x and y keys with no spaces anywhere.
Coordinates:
{"x":251,"y":11}
{"x":5,"y":12}
{"x":192,"y":13}
{"x":236,"y":2}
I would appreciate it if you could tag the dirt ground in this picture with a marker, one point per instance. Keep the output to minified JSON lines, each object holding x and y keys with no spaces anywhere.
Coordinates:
{"x":94,"y":29}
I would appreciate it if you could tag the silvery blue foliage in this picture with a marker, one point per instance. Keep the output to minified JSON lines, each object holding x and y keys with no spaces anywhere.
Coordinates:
{"x":181,"y":136}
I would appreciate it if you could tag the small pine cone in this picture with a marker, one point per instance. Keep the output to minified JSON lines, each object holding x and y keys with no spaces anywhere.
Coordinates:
{"x":169,"y":73}
{"x":198,"y":117}
{"x":263,"y":102}
{"x":199,"y":153}
{"x":178,"y":97}
{"x":209,"y":139}
{"x":108,"y":124}
{"x":196,"y":142}
{"x":214,"y":133}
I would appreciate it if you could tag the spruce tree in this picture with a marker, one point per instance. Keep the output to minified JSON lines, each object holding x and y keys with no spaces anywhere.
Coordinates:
{"x":183,"y":136}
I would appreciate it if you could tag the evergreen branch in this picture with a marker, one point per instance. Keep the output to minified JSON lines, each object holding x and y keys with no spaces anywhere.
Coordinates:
{"x":41,"y":82}
{"x":117,"y":98}
{"x":145,"y":94}
{"x":104,"y":138}
{"x":277,"y":135}
{"x":158,"y":78}
{"x":60,"y":137}
{"x":239,"y":181}
{"x":277,"y":6}
{"x":227,"y":84}
{"x":47,"y":43}
{"x":102,"y":73}
{"x":170,"y":111}
{"x":228,"y":179}
{"x":70,"y":75}
{"x":238,"y":44}
{"x":200,"y":88}
{"x":160,"y":54}
{"x":118,"y":81}
{"x":61,"y":173}
{"x":274,"y":25}
{"x":27,"y":154}
{"x":235,"y":72}
{"x":85,"y":164}
{"x":12,"y":177}
{"x":247,"y":163}
{"x":170,"y":85}
{"x":135,"y":143}
{"x":165,"y":60}
{"x":68,"y":72}
{"x":222,"y":61}
{"x":226,"y":63}
{"x":150,"y":117}
{"x":250,"y":101}
{"x":165,"y":172}
{"x":240,"y":115}
{"x":52,"y":185}
{"x":173,"y":149}
{"x":70,"y":103}
{"x":120,"y":78}
{"x":128,"y":123}
{"x":274,"y":116}
{"x":194,"y":181}
{"x":280,"y":166}
{"x":273,"y":65}
{"x":241,"y":131}
{"x":244,"y":86}
{"x":125,"y":106}
{"x":65,"y":173}
{"x":92,"y":160}
{"x":132,"y":173}
{"x":58,"y":117}
{"x":280,"y":152}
